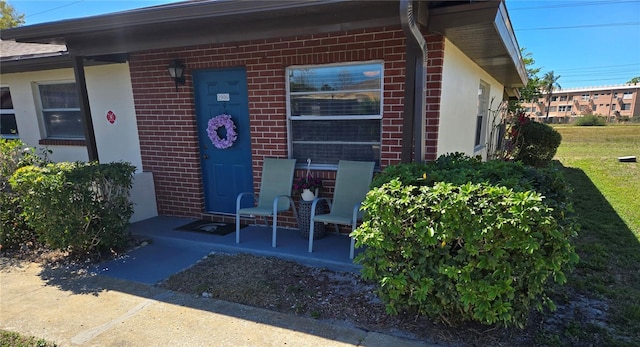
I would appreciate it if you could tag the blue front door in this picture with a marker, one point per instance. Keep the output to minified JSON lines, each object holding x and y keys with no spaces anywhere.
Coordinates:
{"x":226,"y":172}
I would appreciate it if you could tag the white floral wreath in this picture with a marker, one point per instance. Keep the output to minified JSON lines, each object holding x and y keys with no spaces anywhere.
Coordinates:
{"x":222,"y":120}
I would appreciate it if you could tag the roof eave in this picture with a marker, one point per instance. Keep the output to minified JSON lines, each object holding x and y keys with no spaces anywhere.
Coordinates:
{"x":35,"y":63}
{"x":55,"y":32}
{"x":498,"y":53}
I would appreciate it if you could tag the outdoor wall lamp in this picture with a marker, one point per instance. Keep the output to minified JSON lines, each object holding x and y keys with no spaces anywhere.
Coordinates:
{"x":176,"y":71}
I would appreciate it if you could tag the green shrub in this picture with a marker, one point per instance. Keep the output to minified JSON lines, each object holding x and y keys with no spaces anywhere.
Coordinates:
{"x":477,"y":242}
{"x":458,"y":169}
{"x":14,"y":230}
{"x":79,"y":207}
{"x":537,"y":143}
{"x":591,"y":120}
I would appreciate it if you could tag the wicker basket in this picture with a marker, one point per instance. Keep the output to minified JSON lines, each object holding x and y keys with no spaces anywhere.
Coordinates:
{"x":304,"y":219}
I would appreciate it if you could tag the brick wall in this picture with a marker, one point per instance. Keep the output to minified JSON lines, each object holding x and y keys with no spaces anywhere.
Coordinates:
{"x":167,"y":122}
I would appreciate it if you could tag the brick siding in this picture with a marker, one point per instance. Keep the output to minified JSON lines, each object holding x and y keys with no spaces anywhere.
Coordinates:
{"x":167,"y":122}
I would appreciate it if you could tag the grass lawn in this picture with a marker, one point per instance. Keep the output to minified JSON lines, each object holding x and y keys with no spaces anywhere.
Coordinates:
{"x":607,"y":201}
{"x":11,"y":339}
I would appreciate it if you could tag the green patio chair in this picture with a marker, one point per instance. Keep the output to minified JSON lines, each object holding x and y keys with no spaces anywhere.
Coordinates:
{"x":275,"y":194}
{"x":352,"y":184}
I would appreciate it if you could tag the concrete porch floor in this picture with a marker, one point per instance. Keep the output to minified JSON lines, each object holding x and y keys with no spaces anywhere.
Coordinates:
{"x":171,"y":251}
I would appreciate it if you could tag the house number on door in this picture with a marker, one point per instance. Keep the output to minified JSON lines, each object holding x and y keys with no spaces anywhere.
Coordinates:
{"x":223,"y":97}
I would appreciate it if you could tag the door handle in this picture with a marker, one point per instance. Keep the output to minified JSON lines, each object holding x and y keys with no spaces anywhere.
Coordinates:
{"x":204,"y":156}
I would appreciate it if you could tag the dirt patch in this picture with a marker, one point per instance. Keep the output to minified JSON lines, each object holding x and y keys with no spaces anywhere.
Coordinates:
{"x":336,"y":297}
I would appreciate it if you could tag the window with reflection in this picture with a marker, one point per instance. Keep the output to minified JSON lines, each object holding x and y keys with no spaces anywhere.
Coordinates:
{"x":8,"y":125}
{"x":335,"y":112}
{"x":61,"y":111}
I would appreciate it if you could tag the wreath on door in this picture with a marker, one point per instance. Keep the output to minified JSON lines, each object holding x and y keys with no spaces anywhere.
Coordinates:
{"x":215,"y":123}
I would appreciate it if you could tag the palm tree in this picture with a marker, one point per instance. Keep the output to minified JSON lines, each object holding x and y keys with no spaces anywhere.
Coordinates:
{"x":549,"y":83}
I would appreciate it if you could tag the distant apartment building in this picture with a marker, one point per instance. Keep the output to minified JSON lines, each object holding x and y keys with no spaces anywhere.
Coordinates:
{"x":617,"y":103}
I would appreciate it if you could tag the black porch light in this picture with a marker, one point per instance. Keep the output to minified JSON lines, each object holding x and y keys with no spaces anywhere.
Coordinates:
{"x":176,"y":71}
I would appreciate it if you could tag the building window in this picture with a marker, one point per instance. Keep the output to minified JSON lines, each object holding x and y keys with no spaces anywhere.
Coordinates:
{"x":615,"y":95}
{"x":61,"y":111}
{"x":613,"y":106}
{"x":564,"y":108}
{"x":626,"y":107}
{"x":563,"y":98}
{"x":8,"y":125}
{"x":583,"y":108}
{"x":585,"y":97}
{"x":627,"y":95}
{"x":595,"y":107}
{"x":595,"y":96}
{"x":483,"y":109}
{"x":553,"y":108}
{"x":554,"y":98}
{"x":335,"y":112}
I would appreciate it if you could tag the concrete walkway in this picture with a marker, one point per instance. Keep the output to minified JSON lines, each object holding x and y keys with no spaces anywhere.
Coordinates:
{"x":85,"y":309}
{"x":117,"y":304}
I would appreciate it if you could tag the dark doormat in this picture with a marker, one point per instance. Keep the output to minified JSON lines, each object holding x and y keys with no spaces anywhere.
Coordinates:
{"x":211,"y":228}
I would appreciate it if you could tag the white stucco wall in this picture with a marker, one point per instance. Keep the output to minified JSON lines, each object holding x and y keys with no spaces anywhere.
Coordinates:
{"x":109,"y":89}
{"x":459,"y":102}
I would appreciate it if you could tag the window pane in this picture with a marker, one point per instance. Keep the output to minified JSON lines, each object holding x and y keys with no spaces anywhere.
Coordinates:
{"x":331,"y":153}
{"x":367,"y":130}
{"x":478,"y":130}
{"x":63,"y":124}
{"x":346,"y":77}
{"x":336,"y":104}
{"x":327,"y":142}
{"x":483,"y":108}
{"x":8,"y":125}
{"x":5,"y":99}
{"x":59,"y":96}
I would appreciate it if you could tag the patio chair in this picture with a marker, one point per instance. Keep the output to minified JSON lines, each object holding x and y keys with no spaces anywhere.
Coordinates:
{"x":274,"y":197}
{"x":352,"y":184}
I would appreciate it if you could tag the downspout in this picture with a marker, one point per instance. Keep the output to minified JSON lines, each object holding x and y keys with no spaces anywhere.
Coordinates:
{"x":414,"y":121}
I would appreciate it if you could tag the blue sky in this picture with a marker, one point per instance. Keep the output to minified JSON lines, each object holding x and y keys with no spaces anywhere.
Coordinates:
{"x":586,"y":42}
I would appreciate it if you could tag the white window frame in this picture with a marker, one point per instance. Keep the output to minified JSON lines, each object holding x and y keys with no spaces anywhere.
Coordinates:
{"x":291,"y":118}
{"x":7,"y":111}
{"x":42,"y":110}
{"x":482,"y":115}
{"x":627,"y":95}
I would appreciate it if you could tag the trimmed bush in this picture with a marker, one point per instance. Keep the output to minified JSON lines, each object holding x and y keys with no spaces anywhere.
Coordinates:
{"x":479,"y":242}
{"x":80,"y":207}
{"x":591,"y":120}
{"x":537,"y":143}
{"x":14,"y":230}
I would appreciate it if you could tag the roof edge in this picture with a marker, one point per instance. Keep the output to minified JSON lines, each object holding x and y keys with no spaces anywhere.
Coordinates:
{"x":54,"y":32}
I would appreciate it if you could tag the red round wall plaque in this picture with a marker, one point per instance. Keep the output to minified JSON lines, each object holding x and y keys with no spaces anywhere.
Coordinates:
{"x":111,"y":117}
